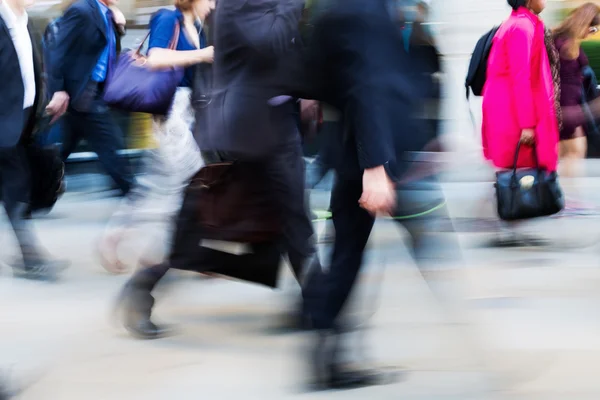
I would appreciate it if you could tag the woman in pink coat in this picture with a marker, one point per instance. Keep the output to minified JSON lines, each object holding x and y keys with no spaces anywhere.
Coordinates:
{"x":518,"y":97}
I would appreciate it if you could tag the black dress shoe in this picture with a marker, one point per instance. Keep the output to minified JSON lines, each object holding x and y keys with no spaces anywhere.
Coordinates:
{"x":48,"y":270}
{"x":144,"y":328}
{"x":137,"y":306}
{"x":327,"y":373}
{"x":347,"y":378}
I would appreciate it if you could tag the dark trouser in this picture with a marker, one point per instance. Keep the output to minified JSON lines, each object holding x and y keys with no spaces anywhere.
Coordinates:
{"x":286,"y":172}
{"x":328,"y":291}
{"x":103,"y":136}
{"x":16,"y":181}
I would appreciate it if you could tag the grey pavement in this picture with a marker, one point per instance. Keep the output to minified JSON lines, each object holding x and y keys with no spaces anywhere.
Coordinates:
{"x":500,"y":324}
{"x":523,"y":324}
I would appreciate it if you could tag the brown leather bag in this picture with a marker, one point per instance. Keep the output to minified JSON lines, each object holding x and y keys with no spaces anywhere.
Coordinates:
{"x":233,"y":203}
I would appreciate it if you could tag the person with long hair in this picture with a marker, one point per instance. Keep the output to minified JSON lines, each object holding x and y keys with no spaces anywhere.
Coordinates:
{"x":568,"y":36}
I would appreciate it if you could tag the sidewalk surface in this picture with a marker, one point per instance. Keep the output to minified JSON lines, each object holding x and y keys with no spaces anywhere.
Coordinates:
{"x":528,"y":327}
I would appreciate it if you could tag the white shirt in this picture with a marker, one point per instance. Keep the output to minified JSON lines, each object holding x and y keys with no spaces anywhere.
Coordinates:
{"x":17,"y":26}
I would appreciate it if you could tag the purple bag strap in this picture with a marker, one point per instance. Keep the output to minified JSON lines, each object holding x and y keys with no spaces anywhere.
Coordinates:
{"x":172,"y":44}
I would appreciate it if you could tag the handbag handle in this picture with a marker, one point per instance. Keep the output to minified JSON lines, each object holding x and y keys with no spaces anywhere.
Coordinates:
{"x":172,"y":44}
{"x":535,"y":158}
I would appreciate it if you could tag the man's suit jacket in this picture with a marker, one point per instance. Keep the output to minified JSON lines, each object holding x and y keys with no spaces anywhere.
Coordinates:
{"x":357,"y":63}
{"x":13,"y":91}
{"x":80,"y":40}
{"x":256,"y":55}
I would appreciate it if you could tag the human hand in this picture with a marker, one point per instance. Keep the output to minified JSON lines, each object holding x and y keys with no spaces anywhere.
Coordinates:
{"x":118,"y":16}
{"x":309,"y":110}
{"x":207,"y":55}
{"x":379,"y":195}
{"x":58,"y":105}
{"x":528,"y":137}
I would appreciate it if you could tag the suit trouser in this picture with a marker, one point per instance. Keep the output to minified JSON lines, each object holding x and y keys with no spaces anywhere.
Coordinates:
{"x":16,"y":186}
{"x":104,"y":138}
{"x":328,"y":291}
{"x":286,"y":172}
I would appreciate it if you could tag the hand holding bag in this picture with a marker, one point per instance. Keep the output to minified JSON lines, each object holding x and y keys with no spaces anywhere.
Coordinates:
{"x":527,"y":192}
{"x":134,"y":87}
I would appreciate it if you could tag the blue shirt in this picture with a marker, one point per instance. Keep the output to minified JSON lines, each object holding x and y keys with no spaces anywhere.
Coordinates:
{"x":99,"y":73}
{"x":162,"y":28}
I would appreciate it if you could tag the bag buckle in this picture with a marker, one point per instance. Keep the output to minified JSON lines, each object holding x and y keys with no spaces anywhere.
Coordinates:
{"x":202,"y":101}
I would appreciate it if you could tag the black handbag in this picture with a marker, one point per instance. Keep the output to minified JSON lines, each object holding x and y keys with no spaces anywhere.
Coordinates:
{"x":47,"y":169}
{"x":527,"y":192}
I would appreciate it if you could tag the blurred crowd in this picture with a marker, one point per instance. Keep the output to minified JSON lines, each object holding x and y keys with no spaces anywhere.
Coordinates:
{"x":235,"y":89}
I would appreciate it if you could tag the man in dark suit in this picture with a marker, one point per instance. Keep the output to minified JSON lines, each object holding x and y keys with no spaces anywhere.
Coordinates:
{"x":252,"y":117}
{"x":22,"y":102}
{"x":86,"y":44}
{"x":359,"y":65}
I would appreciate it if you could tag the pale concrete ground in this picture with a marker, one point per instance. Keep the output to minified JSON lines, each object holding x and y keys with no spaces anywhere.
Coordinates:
{"x":533,"y":314}
{"x":534,"y":320}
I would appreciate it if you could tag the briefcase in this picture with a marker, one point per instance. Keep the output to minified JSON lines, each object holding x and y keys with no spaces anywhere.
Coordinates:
{"x":229,"y":202}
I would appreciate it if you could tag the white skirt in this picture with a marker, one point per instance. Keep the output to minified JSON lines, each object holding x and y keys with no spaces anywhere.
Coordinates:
{"x":177,"y":149}
{"x":158,"y":193}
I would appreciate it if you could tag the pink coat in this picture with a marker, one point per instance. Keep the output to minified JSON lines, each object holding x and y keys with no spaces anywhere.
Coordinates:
{"x":519,"y":94}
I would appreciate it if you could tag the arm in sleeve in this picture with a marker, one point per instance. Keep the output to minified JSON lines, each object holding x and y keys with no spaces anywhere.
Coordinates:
{"x":372,"y":129}
{"x":66,"y":36}
{"x":367,"y":111}
{"x":519,"y":46}
{"x":162,"y":28}
{"x":269,"y":28}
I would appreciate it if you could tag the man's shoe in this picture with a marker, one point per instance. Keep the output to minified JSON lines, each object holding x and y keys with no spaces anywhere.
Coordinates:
{"x":328,"y":374}
{"x":137,"y":306}
{"x":47,"y":270}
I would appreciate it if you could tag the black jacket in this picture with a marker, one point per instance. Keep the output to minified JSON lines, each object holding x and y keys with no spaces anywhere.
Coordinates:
{"x":13,"y":91}
{"x":357,"y":62}
{"x":256,"y":55}
{"x":79,"y":42}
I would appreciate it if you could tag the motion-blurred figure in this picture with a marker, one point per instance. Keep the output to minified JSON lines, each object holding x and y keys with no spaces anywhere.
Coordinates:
{"x":257,"y":53}
{"x":87,"y":42}
{"x":360,"y":64}
{"x":251,"y":119}
{"x":22,"y":105}
{"x":518,"y":64}
{"x":581,"y":23}
{"x":177,"y":158}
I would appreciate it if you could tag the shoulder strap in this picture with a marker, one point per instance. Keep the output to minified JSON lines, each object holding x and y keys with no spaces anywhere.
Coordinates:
{"x":175,"y":38}
{"x":172,"y":44}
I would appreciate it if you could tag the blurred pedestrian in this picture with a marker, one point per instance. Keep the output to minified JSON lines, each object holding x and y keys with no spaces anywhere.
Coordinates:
{"x":518,"y":65}
{"x":22,"y":105}
{"x":177,"y":157}
{"x":252,"y":120}
{"x":87,"y":43}
{"x":360,"y":65}
{"x":257,"y":58}
{"x":581,"y":23}
{"x":519,"y":98}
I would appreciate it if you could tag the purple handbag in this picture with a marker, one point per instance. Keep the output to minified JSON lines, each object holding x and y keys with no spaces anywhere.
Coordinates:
{"x":134,"y":87}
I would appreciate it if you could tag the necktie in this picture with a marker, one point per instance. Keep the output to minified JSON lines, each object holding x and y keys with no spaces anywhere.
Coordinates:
{"x":110,"y":33}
